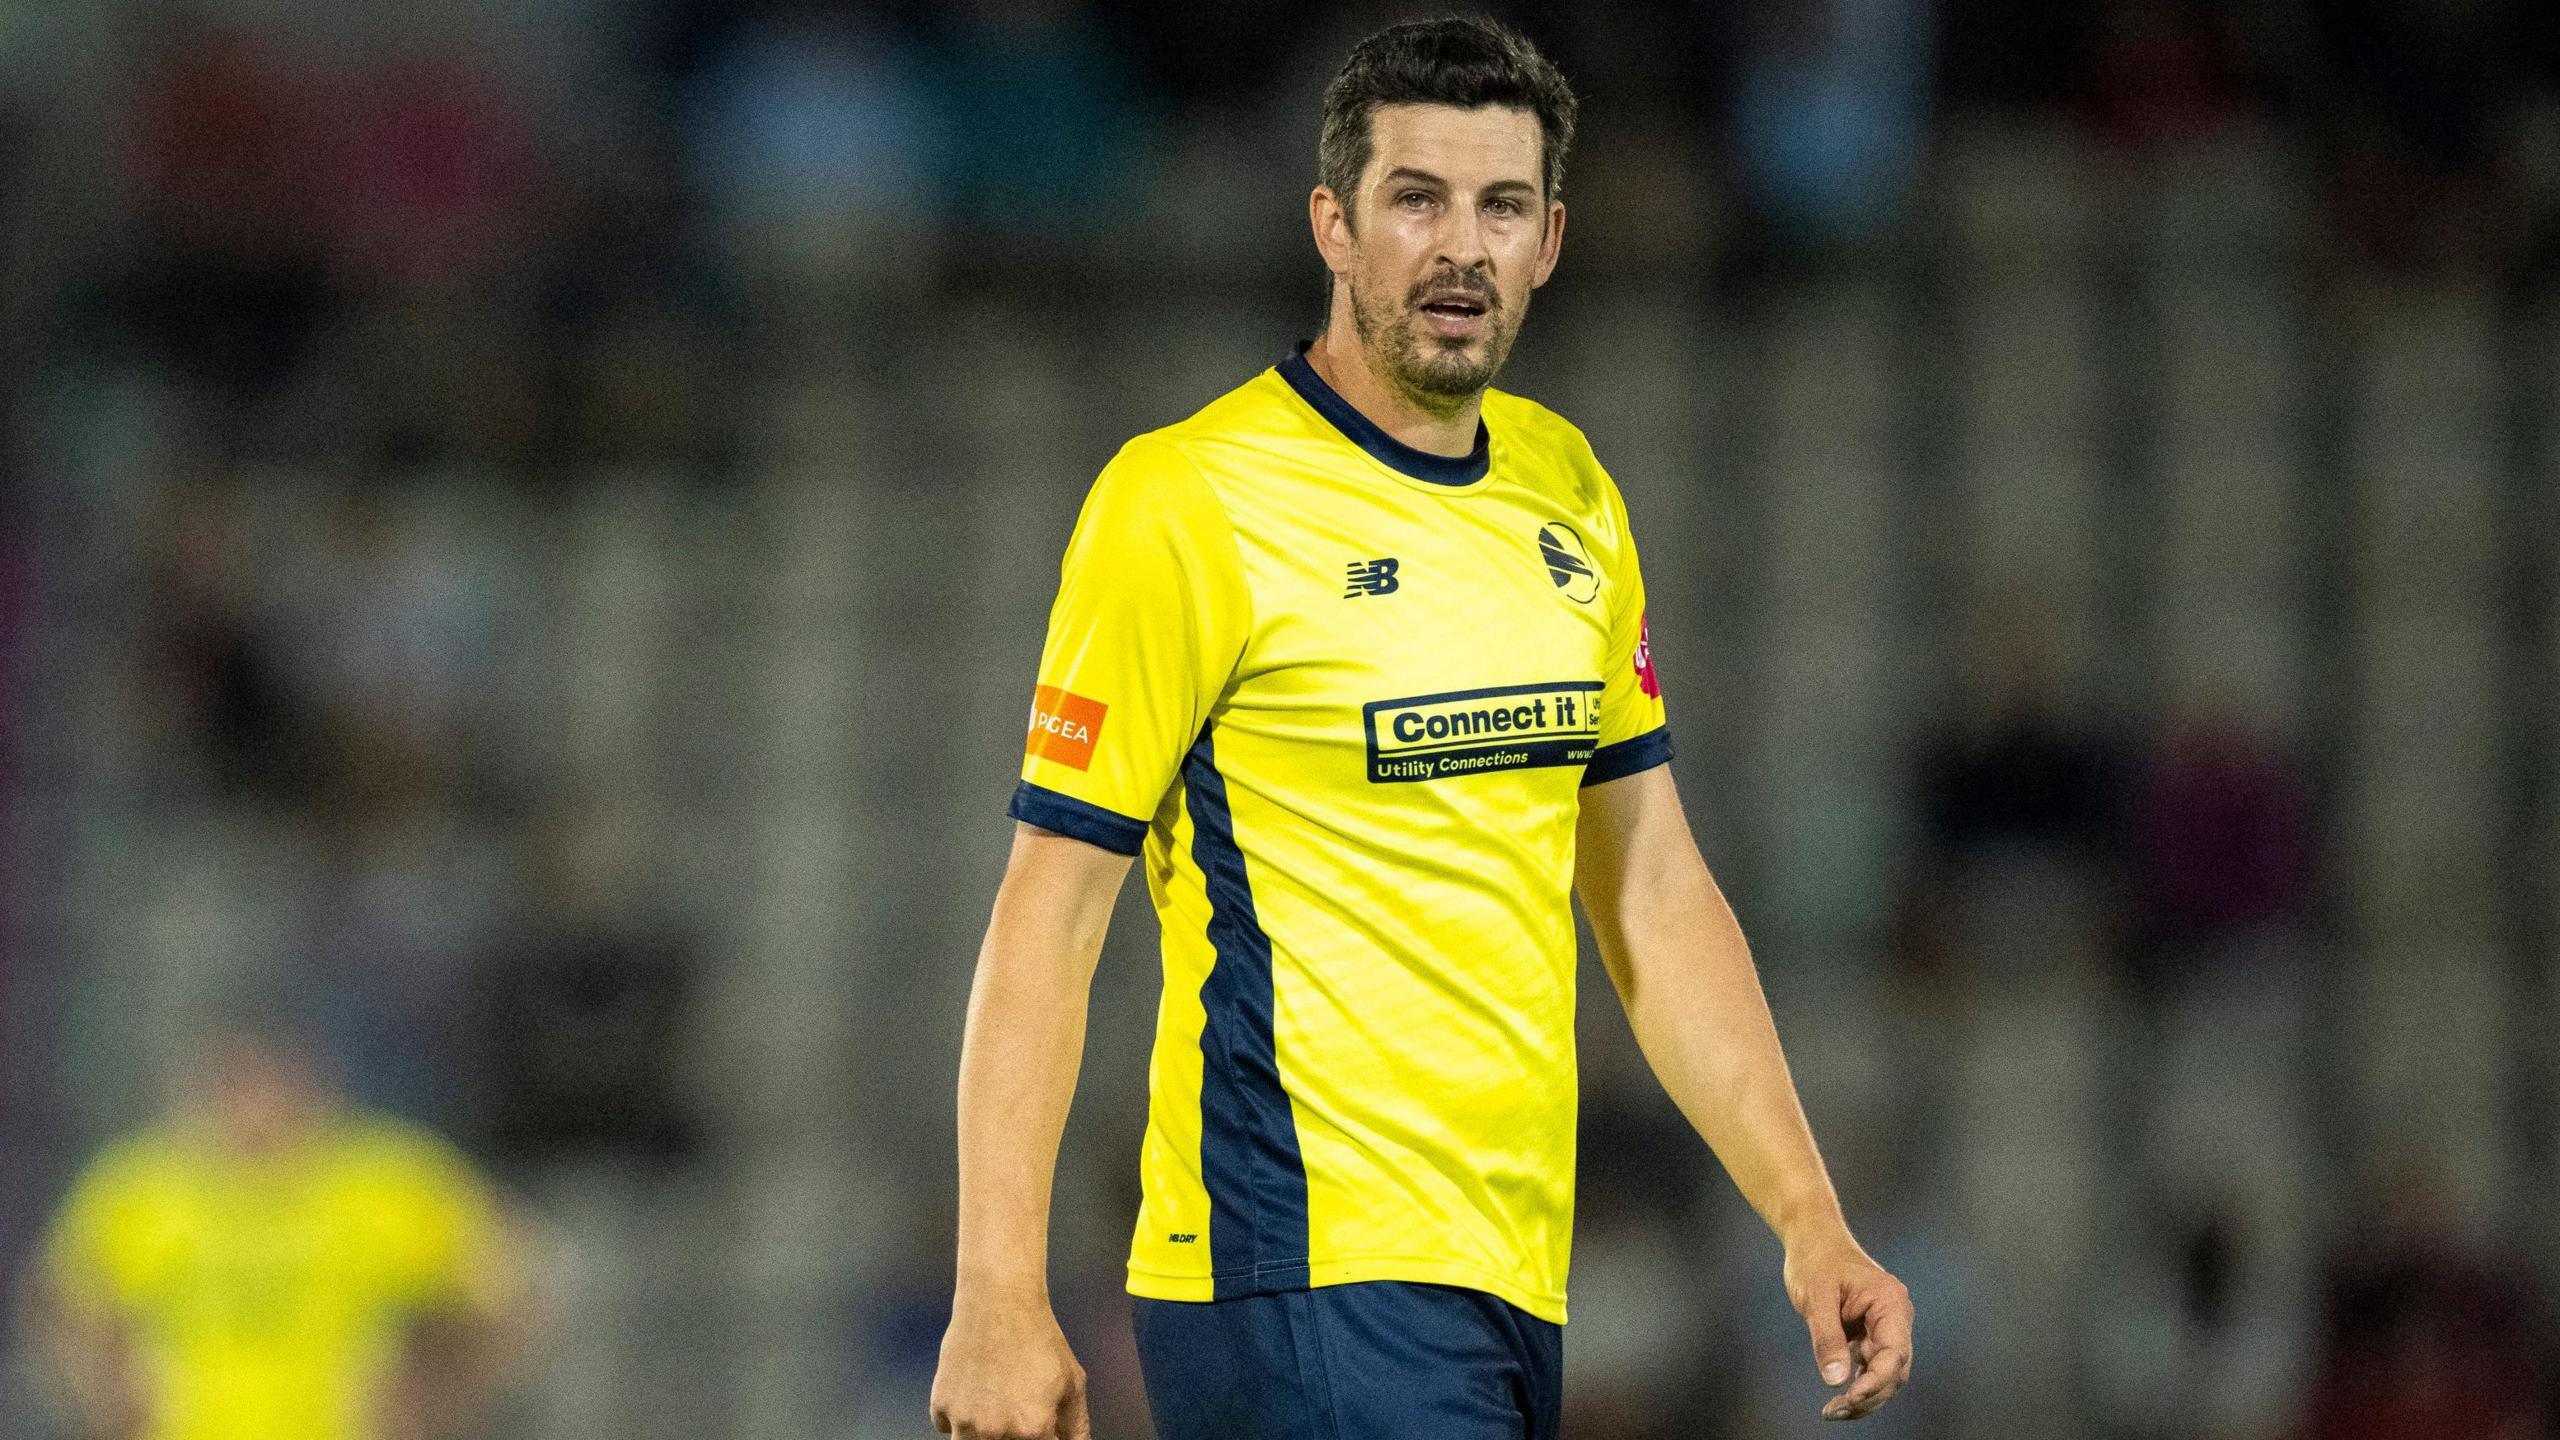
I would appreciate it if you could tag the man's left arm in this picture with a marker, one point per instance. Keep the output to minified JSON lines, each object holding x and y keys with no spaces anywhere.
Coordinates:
{"x":1676,"y":954}
{"x":470,"y":1340}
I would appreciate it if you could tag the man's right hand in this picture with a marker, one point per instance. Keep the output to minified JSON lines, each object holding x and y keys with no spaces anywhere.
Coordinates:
{"x":1007,"y":1373}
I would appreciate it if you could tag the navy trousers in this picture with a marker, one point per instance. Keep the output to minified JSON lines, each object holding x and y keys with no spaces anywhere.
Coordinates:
{"x":1380,"y":1360}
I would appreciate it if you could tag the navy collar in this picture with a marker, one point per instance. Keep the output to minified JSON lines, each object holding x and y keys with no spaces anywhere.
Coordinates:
{"x":1391,"y":452}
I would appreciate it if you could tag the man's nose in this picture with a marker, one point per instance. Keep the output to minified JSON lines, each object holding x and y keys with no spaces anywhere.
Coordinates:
{"x":1462,"y":238}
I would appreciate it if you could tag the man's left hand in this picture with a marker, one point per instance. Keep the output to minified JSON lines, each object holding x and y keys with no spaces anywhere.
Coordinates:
{"x":1860,"y":1318}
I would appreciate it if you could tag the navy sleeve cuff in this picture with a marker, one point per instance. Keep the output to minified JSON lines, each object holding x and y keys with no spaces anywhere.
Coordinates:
{"x":1629,"y":757}
{"x":1076,"y":819}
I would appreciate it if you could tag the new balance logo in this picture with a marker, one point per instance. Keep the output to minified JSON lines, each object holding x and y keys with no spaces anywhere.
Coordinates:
{"x":1370,"y":577}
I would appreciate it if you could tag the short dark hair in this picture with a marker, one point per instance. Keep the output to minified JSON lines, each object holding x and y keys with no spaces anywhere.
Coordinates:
{"x":1462,"y":60}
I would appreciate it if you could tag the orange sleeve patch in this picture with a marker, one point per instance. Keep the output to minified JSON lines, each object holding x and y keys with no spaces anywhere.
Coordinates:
{"x":1064,"y":726}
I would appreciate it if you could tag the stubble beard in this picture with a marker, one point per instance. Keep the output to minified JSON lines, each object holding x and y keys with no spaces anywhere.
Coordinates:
{"x":1435,"y":375}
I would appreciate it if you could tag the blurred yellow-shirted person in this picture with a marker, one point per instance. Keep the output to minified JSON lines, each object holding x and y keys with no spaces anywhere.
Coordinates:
{"x":272,"y":1263}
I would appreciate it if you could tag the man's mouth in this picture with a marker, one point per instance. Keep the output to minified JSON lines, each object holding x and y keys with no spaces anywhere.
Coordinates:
{"x":1454,"y":315}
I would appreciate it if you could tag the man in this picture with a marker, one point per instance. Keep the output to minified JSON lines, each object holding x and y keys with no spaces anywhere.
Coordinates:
{"x":1356,"y":656}
{"x":269,"y":1263}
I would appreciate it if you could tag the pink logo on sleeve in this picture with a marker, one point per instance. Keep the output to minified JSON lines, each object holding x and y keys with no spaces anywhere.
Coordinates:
{"x":1644,"y":658}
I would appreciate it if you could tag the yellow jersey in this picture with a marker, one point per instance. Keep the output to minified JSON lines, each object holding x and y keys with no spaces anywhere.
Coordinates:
{"x":265,"y":1298}
{"x":1343,"y":695}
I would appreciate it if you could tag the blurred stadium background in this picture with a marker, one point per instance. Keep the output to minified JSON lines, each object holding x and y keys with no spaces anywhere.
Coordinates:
{"x":529,"y":521}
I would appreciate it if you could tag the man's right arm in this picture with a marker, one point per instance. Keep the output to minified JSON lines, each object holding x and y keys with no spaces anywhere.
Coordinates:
{"x":1006,"y":1371}
{"x":88,"y":1348}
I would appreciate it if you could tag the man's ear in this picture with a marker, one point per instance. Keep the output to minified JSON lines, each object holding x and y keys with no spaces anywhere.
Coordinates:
{"x":1331,"y":222}
{"x":1551,"y":248}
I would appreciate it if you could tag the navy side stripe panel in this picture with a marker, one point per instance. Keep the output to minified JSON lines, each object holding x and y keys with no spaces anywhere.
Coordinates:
{"x":1249,"y":1160}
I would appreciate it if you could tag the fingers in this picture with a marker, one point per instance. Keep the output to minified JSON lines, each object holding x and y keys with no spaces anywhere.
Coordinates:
{"x":1070,"y":1421}
{"x":1883,"y":1374}
{"x":1883,"y":1311}
{"x":1043,"y":1431}
{"x":1830,"y":1345}
{"x":1887,"y":1312}
{"x":1008,"y":1376}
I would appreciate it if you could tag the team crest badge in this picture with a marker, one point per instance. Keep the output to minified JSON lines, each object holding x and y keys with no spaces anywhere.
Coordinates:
{"x":1568,"y":562}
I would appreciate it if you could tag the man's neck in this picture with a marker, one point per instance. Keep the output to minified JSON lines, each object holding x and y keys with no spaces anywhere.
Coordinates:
{"x":1342,"y":363}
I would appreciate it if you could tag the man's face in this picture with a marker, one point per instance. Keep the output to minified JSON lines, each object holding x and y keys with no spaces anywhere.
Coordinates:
{"x":260,"y":1098}
{"x":1450,"y":232}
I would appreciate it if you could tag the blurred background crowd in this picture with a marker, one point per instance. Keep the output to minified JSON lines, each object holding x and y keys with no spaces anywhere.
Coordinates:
{"x":527,"y":525}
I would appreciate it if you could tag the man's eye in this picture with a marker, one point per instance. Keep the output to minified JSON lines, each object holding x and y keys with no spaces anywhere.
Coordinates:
{"x":1412,"y":198}
{"x":1503,"y":207}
